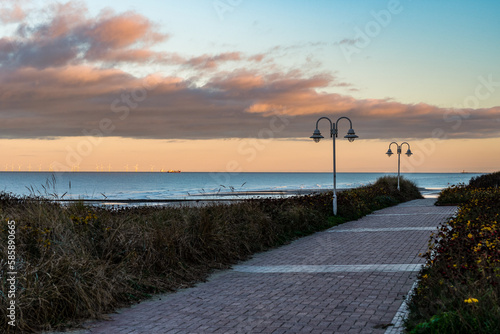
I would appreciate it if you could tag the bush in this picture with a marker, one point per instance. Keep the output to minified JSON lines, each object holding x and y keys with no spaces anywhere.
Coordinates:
{"x":459,"y":287}
{"x":358,"y":202}
{"x":486,"y":181}
{"x":454,"y":195}
{"x":461,"y":193}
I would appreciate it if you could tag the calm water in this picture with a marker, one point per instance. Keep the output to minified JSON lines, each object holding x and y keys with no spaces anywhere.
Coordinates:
{"x":147,"y":186}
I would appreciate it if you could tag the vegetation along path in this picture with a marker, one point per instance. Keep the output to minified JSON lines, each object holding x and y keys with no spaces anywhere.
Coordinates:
{"x":352,"y":278}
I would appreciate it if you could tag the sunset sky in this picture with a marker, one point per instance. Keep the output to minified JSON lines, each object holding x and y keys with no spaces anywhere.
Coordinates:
{"x":238,"y":85}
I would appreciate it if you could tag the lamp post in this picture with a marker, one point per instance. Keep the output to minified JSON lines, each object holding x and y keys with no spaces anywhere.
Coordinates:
{"x":399,"y":147}
{"x":334,"y":133}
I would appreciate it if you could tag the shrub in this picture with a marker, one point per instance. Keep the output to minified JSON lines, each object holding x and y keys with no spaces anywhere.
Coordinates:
{"x":491,"y":180}
{"x":461,"y":193}
{"x":454,"y":195}
{"x":459,"y":287}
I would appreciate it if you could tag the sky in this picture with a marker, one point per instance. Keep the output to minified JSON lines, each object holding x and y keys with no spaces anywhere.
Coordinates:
{"x":238,"y":85}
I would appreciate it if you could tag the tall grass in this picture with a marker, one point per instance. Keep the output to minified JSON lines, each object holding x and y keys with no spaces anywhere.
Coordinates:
{"x":77,"y":262}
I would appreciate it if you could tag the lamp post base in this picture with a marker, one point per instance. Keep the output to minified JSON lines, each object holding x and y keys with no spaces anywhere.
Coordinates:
{"x":334,"y":204}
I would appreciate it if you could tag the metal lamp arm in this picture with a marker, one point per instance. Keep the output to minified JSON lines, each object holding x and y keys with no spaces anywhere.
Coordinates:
{"x":406,"y":144}
{"x":397,"y":147}
{"x":337,"y":124}
{"x":393,"y":143}
{"x":329,"y":120}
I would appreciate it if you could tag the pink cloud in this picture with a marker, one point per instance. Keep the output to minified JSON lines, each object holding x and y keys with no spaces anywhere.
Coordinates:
{"x":11,"y":11}
{"x":239,"y":81}
{"x":257,"y":58}
{"x":212,"y":61}
{"x":275,"y":83}
{"x":65,"y":19}
{"x":70,"y":36}
{"x":119,"y":31}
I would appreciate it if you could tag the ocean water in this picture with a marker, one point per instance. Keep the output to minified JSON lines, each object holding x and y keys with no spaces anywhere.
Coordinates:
{"x":109,"y":186}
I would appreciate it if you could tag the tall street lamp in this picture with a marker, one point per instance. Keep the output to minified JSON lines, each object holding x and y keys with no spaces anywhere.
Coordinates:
{"x":334,"y":133}
{"x":408,"y":153}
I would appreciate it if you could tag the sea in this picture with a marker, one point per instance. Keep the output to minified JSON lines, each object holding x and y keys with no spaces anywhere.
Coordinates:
{"x":153,"y":188}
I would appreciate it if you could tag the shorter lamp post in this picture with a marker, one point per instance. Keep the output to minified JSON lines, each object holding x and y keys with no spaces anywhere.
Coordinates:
{"x":334,"y":133}
{"x":408,"y":153}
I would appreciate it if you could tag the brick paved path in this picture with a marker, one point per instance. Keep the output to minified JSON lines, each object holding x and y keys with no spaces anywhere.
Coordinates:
{"x":349,"y":279}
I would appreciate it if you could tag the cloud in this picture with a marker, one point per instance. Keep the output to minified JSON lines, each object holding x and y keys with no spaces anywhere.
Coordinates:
{"x":69,"y":36}
{"x":348,"y":41}
{"x":62,"y":76}
{"x":73,"y":100}
{"x":210,"y":62}
{"x":11,"y":11}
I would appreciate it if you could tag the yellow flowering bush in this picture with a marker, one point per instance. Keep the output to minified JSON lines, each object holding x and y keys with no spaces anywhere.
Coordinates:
{"x":463,"y":260}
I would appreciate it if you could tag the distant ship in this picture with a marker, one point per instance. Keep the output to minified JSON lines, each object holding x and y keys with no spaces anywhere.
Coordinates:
{"x":170,"y":171}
